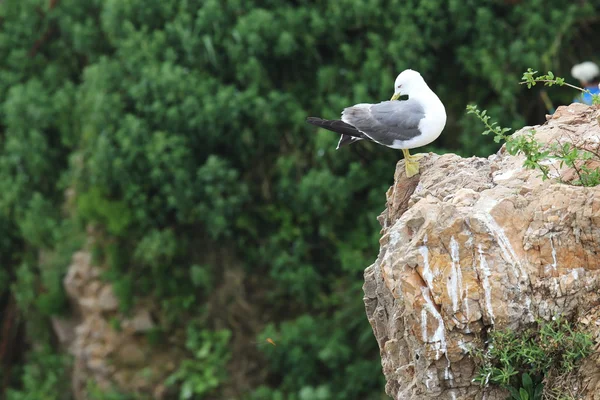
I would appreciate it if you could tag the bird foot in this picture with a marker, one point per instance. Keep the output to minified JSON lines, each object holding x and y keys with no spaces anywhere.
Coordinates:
{"x":411,"y":167}
{"x":415,"y":157}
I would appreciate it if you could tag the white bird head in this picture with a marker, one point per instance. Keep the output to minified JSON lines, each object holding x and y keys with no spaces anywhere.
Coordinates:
{"x":407,"y":83}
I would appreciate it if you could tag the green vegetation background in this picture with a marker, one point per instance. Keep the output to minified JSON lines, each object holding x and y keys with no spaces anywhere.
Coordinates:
{"x":176,"y":130}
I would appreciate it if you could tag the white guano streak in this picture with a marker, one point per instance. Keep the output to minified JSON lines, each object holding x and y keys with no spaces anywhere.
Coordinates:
{"x":439,"y":336}
{"x":554,"y":262}
{"x":511,"y":258}
{"x":467,"y":311}
{"x":505,"y":246}
{"x":424,"y":325}
{"x":487,"y":289}
{"x":455,"y":289}
{"x":447,"y":372}
{"x":427,"y":274}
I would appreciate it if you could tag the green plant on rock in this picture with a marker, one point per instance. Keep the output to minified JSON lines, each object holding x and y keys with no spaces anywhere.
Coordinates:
{"x":519,"y":362}
{"x":530,"y":79}
{"x":534,"y":152}
{"x":490,"y":127}
{"x":581,"y":158}
{"x":527,"y":391}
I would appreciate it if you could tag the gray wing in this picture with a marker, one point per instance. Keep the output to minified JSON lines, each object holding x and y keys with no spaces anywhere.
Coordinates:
{"x":386,"y":121}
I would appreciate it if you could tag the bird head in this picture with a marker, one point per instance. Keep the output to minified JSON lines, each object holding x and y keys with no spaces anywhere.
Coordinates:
{"x":409,"y":81}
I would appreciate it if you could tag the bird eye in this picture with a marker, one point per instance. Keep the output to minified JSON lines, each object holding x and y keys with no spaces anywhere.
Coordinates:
{"x":399,"y":86}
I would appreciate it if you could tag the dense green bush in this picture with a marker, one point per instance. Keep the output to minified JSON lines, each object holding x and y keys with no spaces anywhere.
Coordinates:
{"x":178,"y":127}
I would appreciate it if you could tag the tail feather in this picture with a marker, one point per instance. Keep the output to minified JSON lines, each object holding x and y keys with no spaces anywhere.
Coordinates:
{"x":346,"y":140}
{"x":335,"y":126}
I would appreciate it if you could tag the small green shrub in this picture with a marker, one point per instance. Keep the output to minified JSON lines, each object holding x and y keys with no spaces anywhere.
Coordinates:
{"x":554,"y":346}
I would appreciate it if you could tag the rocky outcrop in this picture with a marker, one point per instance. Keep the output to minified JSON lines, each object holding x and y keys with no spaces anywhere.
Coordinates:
{"x":111,"y":350}
{"x":475,"y":243}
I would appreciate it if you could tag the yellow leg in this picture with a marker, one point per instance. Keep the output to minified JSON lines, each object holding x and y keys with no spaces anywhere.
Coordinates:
{"x":411,"y":163}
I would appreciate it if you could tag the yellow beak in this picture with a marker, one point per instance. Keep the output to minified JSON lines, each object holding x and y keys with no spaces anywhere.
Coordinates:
{"x":396,"y":96}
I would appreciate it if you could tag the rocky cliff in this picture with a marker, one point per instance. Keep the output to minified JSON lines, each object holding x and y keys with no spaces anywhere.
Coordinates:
{"x":480,"y":243}
{"x":134,"y":351}
{"x":111,"y":350}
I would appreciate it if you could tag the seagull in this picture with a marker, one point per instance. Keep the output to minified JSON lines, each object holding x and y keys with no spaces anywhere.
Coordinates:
{"x":404,"y":124}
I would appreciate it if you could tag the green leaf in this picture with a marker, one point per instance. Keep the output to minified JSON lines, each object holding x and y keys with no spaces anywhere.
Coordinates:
{"x":514,"y":393}
{"x":527,"y":382}
{"x":539,"y":389}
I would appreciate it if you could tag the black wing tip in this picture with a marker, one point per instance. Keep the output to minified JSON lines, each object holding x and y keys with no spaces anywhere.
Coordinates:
{"x":336,"y":125}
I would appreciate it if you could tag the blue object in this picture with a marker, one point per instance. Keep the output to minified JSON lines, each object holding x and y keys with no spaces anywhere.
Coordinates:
{"x":586,"y":98}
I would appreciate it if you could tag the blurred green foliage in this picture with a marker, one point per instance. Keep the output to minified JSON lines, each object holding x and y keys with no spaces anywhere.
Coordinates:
{"x":176,"y":130}
{"x":44,"y":376}
{"x":205,"y":371}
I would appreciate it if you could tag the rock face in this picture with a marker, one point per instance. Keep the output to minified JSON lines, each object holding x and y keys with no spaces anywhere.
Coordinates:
{"x":110,"y":350}
{"x":475,"y":243}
